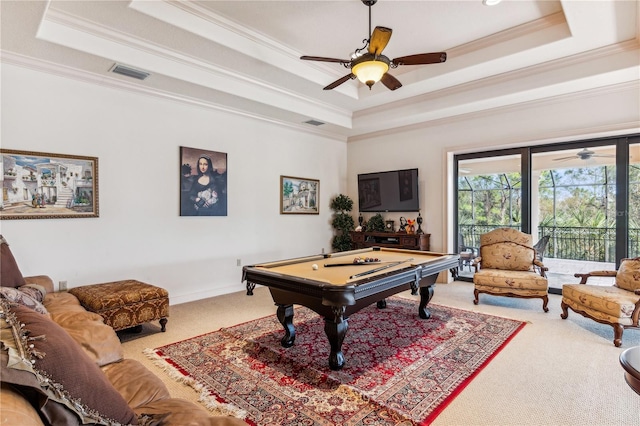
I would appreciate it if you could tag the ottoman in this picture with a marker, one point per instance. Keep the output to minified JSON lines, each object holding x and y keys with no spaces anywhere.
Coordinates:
{"x":125,"y":304}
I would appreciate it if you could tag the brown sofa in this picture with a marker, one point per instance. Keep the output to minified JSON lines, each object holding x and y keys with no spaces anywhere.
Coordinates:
{"x":62,"y":365}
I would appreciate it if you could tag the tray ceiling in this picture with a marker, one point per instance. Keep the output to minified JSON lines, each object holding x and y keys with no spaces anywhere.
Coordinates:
{"x":243,"y":56}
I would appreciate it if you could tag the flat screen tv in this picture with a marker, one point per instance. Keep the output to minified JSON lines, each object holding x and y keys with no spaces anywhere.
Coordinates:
{"x":393,"y":191}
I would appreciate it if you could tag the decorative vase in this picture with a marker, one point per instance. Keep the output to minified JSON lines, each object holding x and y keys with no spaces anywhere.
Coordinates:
{"x":419,"y":220}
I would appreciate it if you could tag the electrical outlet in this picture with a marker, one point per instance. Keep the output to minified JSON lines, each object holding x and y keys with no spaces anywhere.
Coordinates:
{"x":62,"y":285}
{"x":238,"y":262}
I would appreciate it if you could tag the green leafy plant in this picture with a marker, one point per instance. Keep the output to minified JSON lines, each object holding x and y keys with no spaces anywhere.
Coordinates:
{"x":342,"y":222}
{"x":376,"y":223}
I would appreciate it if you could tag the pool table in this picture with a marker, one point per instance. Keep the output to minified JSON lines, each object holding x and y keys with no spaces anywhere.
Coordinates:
{"x":334,"y":287}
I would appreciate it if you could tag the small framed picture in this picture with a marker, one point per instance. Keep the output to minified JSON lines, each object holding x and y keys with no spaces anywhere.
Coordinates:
{"x":39,"y":185}
{"x":203,"y":182}
{"x":299,"y":195}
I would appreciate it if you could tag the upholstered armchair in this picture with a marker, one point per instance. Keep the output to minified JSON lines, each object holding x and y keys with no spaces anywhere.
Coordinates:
{"x":507,"y":266}
{"x":617,"y":305}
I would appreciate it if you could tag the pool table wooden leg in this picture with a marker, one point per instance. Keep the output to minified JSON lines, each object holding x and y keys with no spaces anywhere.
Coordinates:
{"x":426,"y":293}
{"x":285,"y":316}
{"x":335,"y":329}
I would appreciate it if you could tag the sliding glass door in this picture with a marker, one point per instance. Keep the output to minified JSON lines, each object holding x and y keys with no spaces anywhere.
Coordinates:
{"x":489,"y":197}
{"x":574,"y":195}
{"x":580,"y":201}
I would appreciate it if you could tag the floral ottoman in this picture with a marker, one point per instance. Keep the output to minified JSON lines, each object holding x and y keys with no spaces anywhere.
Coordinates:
{"x":125,"y":304}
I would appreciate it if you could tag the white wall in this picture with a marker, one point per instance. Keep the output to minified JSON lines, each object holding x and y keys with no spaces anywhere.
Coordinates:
{"x":139,"y":233}
{"x":431,"y":149}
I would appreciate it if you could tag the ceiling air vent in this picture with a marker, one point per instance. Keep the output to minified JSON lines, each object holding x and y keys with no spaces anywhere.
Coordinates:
{"x":314,"y":122}
{"x":129,"y":72}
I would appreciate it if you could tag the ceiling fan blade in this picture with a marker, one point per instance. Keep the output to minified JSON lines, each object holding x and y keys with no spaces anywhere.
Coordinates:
{"x":321,"y":59}
{"x":572,"y":157}
{"x":421,"y":59}
{"x":390,"y":82}
{"x":339,"y":81}
{"x":379,"y":40}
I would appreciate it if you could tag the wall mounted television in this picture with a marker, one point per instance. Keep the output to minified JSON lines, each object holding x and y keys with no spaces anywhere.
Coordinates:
{"x":392,"y":191}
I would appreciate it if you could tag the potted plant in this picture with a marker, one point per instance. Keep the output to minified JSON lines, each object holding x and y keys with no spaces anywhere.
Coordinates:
{"x":376,"y":223}
{"x":342,"y":222}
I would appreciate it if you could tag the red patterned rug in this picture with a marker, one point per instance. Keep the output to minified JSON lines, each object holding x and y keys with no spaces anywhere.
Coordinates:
{"x":400,"y":370}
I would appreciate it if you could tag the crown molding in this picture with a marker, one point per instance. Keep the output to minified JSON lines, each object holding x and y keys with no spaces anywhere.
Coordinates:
{"x":117,"y":84}
{"x":627,"y":127}
{"x":67,"y":30}
{"x":195,"y":19}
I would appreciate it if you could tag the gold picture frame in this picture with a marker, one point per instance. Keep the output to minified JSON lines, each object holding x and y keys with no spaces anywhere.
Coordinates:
{"x":40,"y":185}
{"x":299,"y":195}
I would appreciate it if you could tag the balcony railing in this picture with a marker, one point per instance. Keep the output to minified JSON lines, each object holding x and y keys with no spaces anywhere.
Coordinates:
{"x":471,"y":233}
{"x":577,"y":243}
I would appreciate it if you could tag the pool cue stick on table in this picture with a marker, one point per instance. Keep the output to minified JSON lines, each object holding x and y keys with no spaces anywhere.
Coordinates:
{"x":379,"y":269}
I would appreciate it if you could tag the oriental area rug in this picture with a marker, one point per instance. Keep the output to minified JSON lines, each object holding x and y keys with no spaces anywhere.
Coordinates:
{"x":399,"y":369}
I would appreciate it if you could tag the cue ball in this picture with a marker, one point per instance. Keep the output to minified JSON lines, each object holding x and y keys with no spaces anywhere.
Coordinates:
{"x":314,"y":267}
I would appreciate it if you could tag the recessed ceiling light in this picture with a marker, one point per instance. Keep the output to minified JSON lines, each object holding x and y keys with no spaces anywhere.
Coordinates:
{"x":490,"y":2}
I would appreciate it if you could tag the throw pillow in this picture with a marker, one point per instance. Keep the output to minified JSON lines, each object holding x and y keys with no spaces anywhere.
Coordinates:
{"x":10,"y":275}
{"x":36,"y":291}
{"x":24,"y":299}
{"x":69,"y":372}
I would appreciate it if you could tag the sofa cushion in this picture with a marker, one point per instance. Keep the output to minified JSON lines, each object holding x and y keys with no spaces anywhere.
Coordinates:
{"x":88,"y":329}
{"x":179,"y":412}
{"x":66,"y":378}
{"x":508,"y":256}
{"x":147,"y":387}
{"x":628,"y":276}
{"x":17,"y":296}
{"x":16,"y":409}
{"x":10,"y":275}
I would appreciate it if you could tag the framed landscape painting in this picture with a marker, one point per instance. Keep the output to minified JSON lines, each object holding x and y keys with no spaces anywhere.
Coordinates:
{"x":38,"y":185}
{"x":299,"y":195}
{"x":203,"y":182}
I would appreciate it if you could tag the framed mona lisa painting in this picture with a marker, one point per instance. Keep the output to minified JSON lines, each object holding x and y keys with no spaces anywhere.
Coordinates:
{"x":203,"y":182}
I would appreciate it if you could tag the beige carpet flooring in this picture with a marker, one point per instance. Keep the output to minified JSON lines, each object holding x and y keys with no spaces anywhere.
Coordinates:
{"x":554,"y":372}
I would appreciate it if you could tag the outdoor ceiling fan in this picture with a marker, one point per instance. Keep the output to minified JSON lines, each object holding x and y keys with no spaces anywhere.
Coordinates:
{"x":584,"y":154}
{"x":371,"y":66}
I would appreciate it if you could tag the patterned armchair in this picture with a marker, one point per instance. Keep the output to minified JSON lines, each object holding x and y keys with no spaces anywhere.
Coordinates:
{"x":617,"y":305}
{"x":508,"y":266}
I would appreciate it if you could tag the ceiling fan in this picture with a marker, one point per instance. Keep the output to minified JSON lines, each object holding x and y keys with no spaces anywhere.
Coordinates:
{"x":371,"y":66}
{"x":583,"y":154}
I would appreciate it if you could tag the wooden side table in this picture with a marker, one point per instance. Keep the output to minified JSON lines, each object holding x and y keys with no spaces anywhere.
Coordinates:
{"x":630,"y":361}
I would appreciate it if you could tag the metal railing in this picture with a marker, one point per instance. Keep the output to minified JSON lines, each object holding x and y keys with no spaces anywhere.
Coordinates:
{"x":577,"y":243}
{"x":471,"y":233}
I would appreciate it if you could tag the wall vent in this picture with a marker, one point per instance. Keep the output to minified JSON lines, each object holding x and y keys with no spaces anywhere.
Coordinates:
{"x":314,"y":122}
{"x":129,"y":72}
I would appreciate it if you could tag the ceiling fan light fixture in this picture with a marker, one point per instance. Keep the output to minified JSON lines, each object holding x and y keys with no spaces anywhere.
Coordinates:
{"x":370,"y":72}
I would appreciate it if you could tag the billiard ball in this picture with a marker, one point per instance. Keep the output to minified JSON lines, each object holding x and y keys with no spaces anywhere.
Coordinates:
{"x":314,"y":267}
